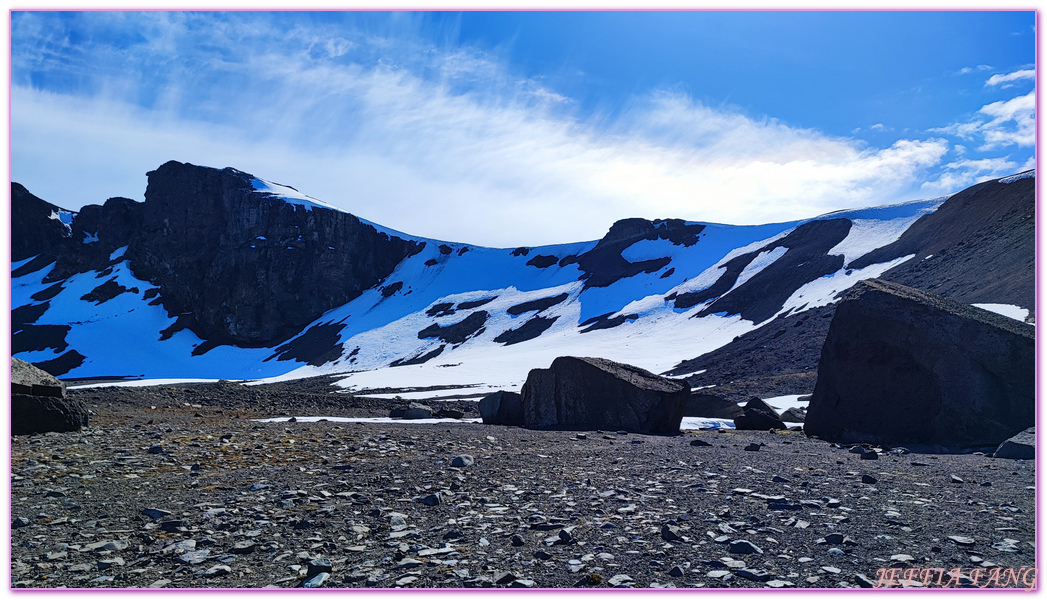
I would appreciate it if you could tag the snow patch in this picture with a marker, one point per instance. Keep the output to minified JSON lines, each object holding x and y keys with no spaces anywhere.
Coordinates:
{"x":1008,"y":310}
{"x":65,"y":217}
{"x":761,"y":262}
{"x":90,"y":238}
{"x":824,"y":290}
{"x":289,"y":194}
{"x":1019,"y":176}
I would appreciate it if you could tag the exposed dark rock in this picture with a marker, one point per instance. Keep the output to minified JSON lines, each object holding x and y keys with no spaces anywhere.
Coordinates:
{"x":806,"y":259}
{"x":732,"y":269}
{"x":521,"y":251}
{"x":902,"y":366}
{"x":457,"y":332}
{"x":604,"y":264}
{"x":33,"y":231}
{"x":471,"y":304}
{"x":27,"y":315}
{"x":445,"y":249}
{"x":568,"y":260}
{"x":604,"y":322}
{"x":537,"y":305}
{"x":418,"y":359}
{"x":431,"y":262}
{"x":533,"y":328}
{"x":542,"y":261}
{"x":711,"y":406}
{"x":463,"y":250}
{"x":502,"y":408}
{"x":392,"y":288}
{"x":62,"y":364}
{"x":757,"y":415}
{"x":595,"y":393}
{"x":442,"y":309}
{"x":106,"y":292}
{"x":794,"y":415}
{"x":668,"y":272}
{"x":1021,"y":446}
{"x":39,"y":337}
{"x":318,"y":345}
{"x":48,"y":293}
{"x":39,"y":404}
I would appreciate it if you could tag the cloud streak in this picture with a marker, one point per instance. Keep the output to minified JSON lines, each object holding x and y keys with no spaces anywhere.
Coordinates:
{"x":445,"y":142}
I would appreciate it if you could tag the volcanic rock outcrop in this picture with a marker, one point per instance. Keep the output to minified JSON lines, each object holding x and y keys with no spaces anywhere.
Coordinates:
{"x":39,"y":403}
{"x":757,"y":415}
{"x":595,"y":393}
{"x":902,"y":366}
{"x":502,"y":408}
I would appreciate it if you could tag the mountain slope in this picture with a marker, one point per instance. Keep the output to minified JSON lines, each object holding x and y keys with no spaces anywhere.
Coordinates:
{"x":221,"y":275}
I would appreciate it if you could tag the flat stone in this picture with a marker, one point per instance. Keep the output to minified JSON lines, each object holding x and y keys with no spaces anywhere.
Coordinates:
{"x":744,"y":547}
{"x":962,"y":540}
{"x":317,"y":580}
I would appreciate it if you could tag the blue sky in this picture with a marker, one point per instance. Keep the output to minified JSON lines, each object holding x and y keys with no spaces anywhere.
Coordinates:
{"x":523,"y":128}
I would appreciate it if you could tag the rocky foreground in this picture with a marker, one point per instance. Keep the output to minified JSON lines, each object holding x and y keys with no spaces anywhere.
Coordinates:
{"x":178,"y":487}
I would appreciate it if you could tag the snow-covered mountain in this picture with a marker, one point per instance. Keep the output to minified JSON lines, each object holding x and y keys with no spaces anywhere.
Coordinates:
{"x":220,"y":274}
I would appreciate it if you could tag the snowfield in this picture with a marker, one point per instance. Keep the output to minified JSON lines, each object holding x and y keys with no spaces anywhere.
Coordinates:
{"x":465,"y":320}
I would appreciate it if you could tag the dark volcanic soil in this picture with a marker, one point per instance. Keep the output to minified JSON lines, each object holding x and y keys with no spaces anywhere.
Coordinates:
{"x":243,"y":504}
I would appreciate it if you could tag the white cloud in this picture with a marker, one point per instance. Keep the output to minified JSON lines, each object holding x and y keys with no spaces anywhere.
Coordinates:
{"x":967,"y":70}
{"x":878,"y":127}
{"x":443,"y":143}
{"x":965,"y":173}
{"x":1010,"y":122}
{"x":1009,"y":77}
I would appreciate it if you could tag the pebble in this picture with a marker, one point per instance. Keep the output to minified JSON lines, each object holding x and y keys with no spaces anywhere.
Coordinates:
{"x":962,"y":540}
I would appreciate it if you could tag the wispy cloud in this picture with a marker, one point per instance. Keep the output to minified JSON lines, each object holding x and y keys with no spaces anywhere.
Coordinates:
{"x":446,"y":142}
{"x":1004,"y":123}
{"x":1006,"y":79}
{"x":964,"y":173}
{"x":967,"y":70}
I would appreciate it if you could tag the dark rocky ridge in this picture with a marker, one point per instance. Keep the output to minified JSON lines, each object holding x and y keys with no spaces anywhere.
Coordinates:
{"x":603,"y":265}
{"x":982,"y":247}
{"x":236,"y":266}
{"x":33,"y":231}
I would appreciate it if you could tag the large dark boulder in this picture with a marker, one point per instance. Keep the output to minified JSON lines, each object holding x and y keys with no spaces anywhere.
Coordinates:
{"x":711,"y":406}
{"x":502,"y":408}
{"x":1019,"y":447}
{"x":904,"y":367}
{"x":38,"y":402}
{"x":596,"y":393}
{"x":757,"y":415}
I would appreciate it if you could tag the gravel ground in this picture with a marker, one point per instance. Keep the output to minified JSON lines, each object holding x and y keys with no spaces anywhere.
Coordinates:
{"x":178,"y":487}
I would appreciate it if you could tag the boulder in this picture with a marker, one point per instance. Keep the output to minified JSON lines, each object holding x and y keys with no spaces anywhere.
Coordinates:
{"x":757,"y":415}
{"x":1020,"y":447}
{"x":596,"y":393}
{"x":711,"y":406}
{"x":905,"y":367}
{"x":418,"y":411}
{"x":502,"y":408}
{"x":794,"y":415}
{"x":38,"y":402}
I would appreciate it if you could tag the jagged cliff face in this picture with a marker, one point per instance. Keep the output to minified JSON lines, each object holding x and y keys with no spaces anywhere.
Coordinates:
{"x":245,"y":269}
{"x":235,"y":265}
